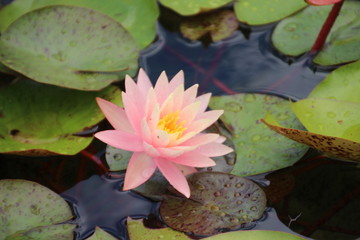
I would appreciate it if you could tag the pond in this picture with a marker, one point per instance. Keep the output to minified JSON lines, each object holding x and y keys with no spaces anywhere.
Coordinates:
{"x":309,"y":193}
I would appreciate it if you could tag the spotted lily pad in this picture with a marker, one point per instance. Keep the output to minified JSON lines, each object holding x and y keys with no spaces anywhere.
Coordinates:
{"x":191,"y":7}
{"x":58,"y":232}
{"x":219,"y":25}
{"x":218,"y":201}
{"x":116,"y":158}
{"x":100,"y":234}
{"x":258,"y":12}
{"x":295,"y":35}
{"x":52,"y":116}
{"x":67,"y":46}
{"x":258,"y":148}
{"x":137,"y":16}
{"x":29,"y":210}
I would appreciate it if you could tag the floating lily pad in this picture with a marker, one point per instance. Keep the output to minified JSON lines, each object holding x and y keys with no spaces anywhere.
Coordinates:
{"x":41,"y":119}
{"x":137,"y":16}
{"x":333,"y":146}
{"x":218,"y":201}
{"x":58,"y":232}
{"x":100,"y":234}
{"x":255,"y":235}
{"x":4,"y":69}
{"x":25,"y":206}
{"x":258,"y":148}
{"x":296,"y":35}
{"x":191,"y":7}
{"x":329,"y":117}
{"x":220,"y":25}
{"x":116,"y":158}
{"x":137,"y":231}
{"x":258,"y":12}
{"x":340,"y":84}
{"x":71,"y":47}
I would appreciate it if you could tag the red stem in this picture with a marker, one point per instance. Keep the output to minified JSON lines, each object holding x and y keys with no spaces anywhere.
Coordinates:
{"x":96,"y":160}
{"x":325,"y":30}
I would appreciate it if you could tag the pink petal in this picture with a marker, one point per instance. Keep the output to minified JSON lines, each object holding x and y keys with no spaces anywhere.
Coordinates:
{"x":160,"y":138}
{"x":204,"y":99}
{"x":115,"y":115}
{"x":123,"y":140}
{"x":178,"y":97}
{"x":146,"y":131}
{"x":167,"y":106}
{"x":221,"y":139}
{"x":322,"y":2}
{"x":151,"y":102}
{"x":214,"y":149}
{"x":150,"y":150}
{"x":189,"y":113}
{"x":207,"y":118}
{"x":186,"y":170}
{"x":183,"y":138}
{"x":143,"y":82}
{"x":141,"y":167}
{"x":194,"y":159}
{"x":190,"y":95}
{"x":176,"y":81}
{"x":132,"y":92}
{"x":153,"y":120}
{"x":132,"y":112}
{"x":162,"y":87}
{"x":173,"y":175}
{"x":201,"y":139}
{"x":173,"y":152}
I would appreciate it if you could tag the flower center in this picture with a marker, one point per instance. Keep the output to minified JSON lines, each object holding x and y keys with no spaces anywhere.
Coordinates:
{"x":170,"y":124}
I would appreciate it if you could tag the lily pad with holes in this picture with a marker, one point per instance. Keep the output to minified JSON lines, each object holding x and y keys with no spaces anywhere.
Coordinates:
{"x":100,"y":234}
{"x":67,"y":46}
{"x":258,"y":12}
{"x":191,"y":7}
{"x":296,"y":35}
{"x":218,"y":201}
{"x":220,"y":25}
{"x":52,"y":116}
{"x":336,"y":147}
{"x":258,"y":149}
{"x":137,"y":16}
{"x":29,"y":209}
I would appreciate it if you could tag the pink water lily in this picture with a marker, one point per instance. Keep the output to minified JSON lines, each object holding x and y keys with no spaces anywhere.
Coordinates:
{"x":162,"y":125}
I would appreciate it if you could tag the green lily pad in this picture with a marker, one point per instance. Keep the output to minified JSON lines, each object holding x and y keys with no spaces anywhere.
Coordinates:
{"x":100,"y":234}
{"x":137,"y":16}
{"x":116,"y":158}
{"x":340,"y":84}
{"x":256,"y":235}
{"x":41,"y":119}
{"x":137,"y":231}
{"x":258,"y":148}
{"x":332,"y":146}
{"x":58,"y":232}
{"x":258,"y":12}
{"x":71,"y":47}
{"x":220,"y":25}
{"x":329,"y":117}
{"x":27,"y":205}
{"x":296,"y":35}
{"x":218,"y":201}
{"x":4,"y":69}
{"x":191,"y":7}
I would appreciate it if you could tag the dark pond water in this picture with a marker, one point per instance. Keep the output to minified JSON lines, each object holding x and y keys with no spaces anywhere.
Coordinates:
{"x":318,"y":197}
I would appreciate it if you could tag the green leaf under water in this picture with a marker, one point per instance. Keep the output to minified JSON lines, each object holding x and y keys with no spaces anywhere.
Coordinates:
{"x":100,"y":234}
{"x":258,"y":12}
{"x":29,"y":209}
{"x":41,"y":119}
{"x":191,"y":7}
{"x":71,"y":47}
{"x":218,"y":201}
{"x":137,"y":16}
{"x":258,"y":148}
{"x":296,"y":35}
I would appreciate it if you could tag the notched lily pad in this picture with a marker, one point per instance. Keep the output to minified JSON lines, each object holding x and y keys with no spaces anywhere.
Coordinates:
{"x":52,"y":116}
{"x":191,"y":7}
{"x":258,"y":12}
{"x":295,"y":35}
{"x":30,"y":209}
{"x":218,"y":201}
{"x":100,"y":234}
{"x":67,"y":46}
{"x":58,"y":232}
{"x":138,"y":16}
{"x":220,"y":25}
{"x":258,"y":149}
{"x":332,"y":146}
{"x":137,"y":231}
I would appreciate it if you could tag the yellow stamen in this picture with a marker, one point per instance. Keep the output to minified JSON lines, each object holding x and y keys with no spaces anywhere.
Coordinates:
{"x":170,"y":124}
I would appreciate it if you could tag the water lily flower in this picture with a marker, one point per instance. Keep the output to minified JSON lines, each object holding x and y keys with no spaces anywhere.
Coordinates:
{"x":162,"y":125}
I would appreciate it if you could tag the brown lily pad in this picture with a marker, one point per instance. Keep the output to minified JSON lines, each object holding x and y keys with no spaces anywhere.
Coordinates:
{"x":218,"y":201}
